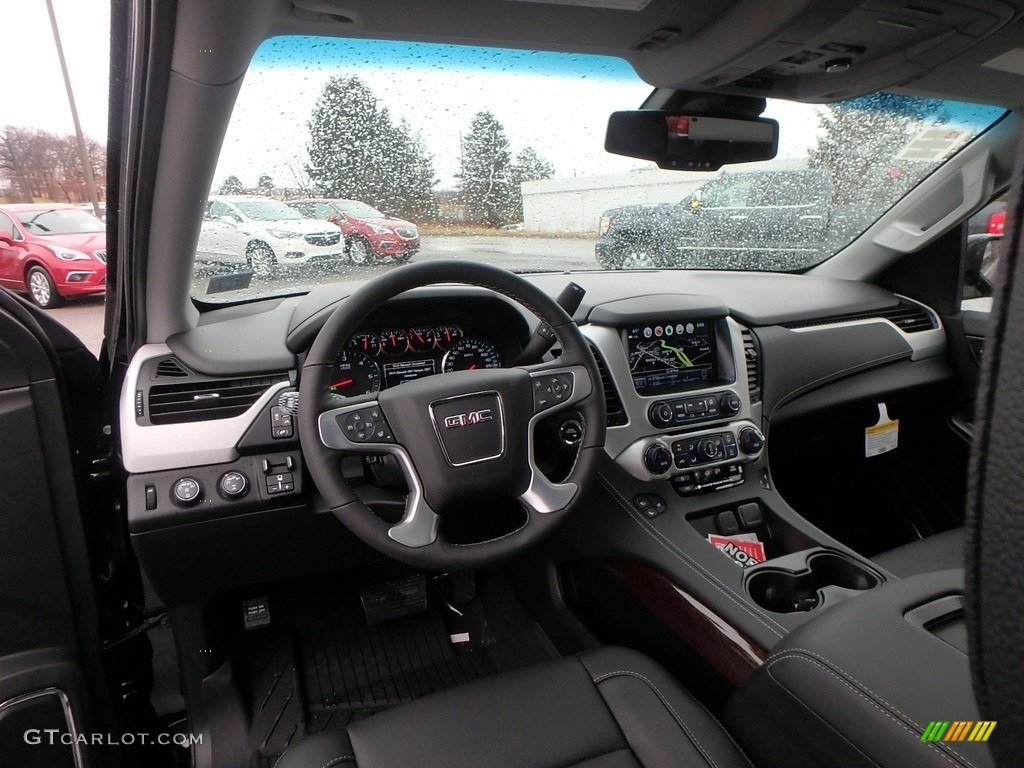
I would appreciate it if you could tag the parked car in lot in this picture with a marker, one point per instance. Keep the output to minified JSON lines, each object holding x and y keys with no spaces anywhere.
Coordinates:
{"x":52,"y":251}
{"x":741,"y":216}
{"x":265,"y":234}
{"x":369,"y":234}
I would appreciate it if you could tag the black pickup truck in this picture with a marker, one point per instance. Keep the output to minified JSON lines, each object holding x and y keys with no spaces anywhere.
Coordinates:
{"x":741,"y":220}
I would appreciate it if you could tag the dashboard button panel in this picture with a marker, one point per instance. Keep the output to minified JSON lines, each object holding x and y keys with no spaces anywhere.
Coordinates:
{"x":708,"y":479}
{"x":682,"y":411}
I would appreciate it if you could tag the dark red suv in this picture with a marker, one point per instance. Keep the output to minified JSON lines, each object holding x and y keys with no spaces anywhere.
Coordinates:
{"x":369,"y":234}
{"x":52,"y":251}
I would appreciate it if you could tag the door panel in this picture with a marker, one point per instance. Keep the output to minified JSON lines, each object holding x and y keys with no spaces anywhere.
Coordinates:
{"x":50,"y":661}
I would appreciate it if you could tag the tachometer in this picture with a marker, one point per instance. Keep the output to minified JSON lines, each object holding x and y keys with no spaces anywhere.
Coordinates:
{"x":471,"y":354}
{"x":354,"y":373}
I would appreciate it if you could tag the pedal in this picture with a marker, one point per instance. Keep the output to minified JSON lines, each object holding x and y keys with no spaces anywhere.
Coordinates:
{"x":394,"y":599}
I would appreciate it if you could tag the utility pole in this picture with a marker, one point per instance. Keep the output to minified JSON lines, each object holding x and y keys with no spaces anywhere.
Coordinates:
{"x":83,"y":152}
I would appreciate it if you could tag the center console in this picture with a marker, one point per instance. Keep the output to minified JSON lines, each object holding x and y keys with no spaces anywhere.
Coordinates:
{"x":868,"y":678}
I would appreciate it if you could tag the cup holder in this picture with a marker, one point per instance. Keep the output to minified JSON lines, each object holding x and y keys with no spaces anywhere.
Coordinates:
{"x":827,"y":575}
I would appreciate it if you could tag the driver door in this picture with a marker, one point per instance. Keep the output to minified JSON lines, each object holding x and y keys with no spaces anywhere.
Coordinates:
{"x":52,"y":684}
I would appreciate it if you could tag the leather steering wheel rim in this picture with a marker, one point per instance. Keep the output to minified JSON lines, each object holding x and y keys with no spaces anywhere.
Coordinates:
{"x":406,"y":414}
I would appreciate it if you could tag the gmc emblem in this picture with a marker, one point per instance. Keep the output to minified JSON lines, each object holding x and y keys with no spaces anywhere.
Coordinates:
{"x":465,"y":419}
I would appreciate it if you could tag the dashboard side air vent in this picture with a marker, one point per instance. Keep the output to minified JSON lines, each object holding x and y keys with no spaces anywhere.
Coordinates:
{"x":170,"y":368}
{"x":752,"y":355}
{"x":907,"y":316}
{"x":206,"y":400}
{"x":612,"y":402}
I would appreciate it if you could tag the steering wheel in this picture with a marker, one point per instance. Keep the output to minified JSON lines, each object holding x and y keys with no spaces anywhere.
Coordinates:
{"x":461,"y":438}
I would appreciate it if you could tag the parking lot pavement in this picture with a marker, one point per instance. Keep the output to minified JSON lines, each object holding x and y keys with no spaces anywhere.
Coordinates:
{"x":84,"y":318}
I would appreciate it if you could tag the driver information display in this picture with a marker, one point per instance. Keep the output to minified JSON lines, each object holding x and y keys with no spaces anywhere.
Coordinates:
{"x":669,"y":357}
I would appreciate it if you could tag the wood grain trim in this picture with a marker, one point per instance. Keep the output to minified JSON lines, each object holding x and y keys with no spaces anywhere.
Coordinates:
{"x":731,"y":653}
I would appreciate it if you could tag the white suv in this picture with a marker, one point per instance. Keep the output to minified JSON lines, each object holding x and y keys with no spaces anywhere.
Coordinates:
{"x":264,"y":233}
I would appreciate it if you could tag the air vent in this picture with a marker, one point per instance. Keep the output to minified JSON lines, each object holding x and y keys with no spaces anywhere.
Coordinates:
{"x":170,"y":368}
{"x":908,"y":317}
{"x":752,"y":354}
{"x":206,"y":400}
{"x":612,"y":403}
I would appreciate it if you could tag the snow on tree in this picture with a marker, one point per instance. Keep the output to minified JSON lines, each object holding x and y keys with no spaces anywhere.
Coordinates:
{"x":232,"y":185}
{"x":487,"y":186}
{"x":357,"y":151}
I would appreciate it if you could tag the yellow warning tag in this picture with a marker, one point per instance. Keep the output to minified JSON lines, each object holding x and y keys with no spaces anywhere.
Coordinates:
{"x":883,"y":436}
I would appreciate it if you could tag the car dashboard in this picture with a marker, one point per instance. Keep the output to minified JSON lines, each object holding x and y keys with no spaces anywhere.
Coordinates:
{"x":698,"y":368}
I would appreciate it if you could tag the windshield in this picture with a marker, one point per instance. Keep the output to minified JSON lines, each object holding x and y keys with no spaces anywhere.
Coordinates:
{"x":359,"y":210}
{"x":60,"y":221}
{"x":498,"y":156}
{"x":266,"y":210}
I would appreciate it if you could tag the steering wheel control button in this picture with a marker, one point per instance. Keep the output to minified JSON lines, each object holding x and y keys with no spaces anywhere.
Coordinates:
{"x":551,"y":389}
{"x":470,"y":428}
{"x":186,"y":491}
{"x":366,"y":425}
{"x":233,"y":485}
{"x":282,"y":424}
{"x":280,"y":483}
{"x":708,"y":479}
{"x":650,"y":505}
{"x":751,"y":441}
{"x":657,"y":459}
{"x":570,"y":432}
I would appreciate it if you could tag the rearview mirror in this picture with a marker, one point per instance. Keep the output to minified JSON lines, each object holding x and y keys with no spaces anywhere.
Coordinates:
{"x":691,"y":141}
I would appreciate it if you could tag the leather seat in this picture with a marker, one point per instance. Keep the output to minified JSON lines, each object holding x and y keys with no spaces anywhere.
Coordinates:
{"x":609,"y":708}
{"x":936,"y":553}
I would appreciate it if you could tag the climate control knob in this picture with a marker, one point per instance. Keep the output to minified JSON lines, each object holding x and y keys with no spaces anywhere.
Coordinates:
{"x":710,"y":449}
{"x":657,"y":459}
{"x":729,"y":404}
{"x":186,"y":491}
{"x":751,"y":441}
{"x":660,"y":414}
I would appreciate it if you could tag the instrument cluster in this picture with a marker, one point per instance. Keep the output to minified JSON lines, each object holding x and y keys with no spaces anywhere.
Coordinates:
{"x":373,"y":360}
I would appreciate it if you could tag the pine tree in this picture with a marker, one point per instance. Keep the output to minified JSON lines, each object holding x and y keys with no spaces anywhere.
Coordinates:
{"x":265,"y":184}
{"x":860,"y":144}
{"x":232,"y":185}
{"x":357,"y":151}
{"x":486,"y":184}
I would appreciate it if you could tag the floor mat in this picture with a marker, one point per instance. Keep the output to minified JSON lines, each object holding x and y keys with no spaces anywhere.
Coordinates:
{"x":321,"y":665}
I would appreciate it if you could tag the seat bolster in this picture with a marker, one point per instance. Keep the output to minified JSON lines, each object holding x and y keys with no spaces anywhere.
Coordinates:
{"x":663,"y":724}
{"x":331,"y":749}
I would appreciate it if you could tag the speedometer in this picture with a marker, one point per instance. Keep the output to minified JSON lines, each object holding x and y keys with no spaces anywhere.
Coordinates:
{"x":354,"y":373}
{"x":470,"y":355}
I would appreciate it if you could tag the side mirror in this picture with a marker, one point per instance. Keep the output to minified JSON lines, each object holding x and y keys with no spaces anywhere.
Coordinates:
{"x":6,"y":237}
{"x":226,"y":219}
{"x":982,"y":260}
{"x":691,"y":141}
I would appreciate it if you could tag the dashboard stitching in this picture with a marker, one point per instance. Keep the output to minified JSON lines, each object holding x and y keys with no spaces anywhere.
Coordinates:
{"x":764,"y":620}
{"x":873,"y":699}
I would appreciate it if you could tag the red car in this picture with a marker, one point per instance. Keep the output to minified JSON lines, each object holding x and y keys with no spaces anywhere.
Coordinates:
{"x":369,"y":234}
{"x":52,"y":251}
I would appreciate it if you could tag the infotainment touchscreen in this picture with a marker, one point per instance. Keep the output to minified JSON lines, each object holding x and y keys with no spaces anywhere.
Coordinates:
{"x":672,"y":356}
